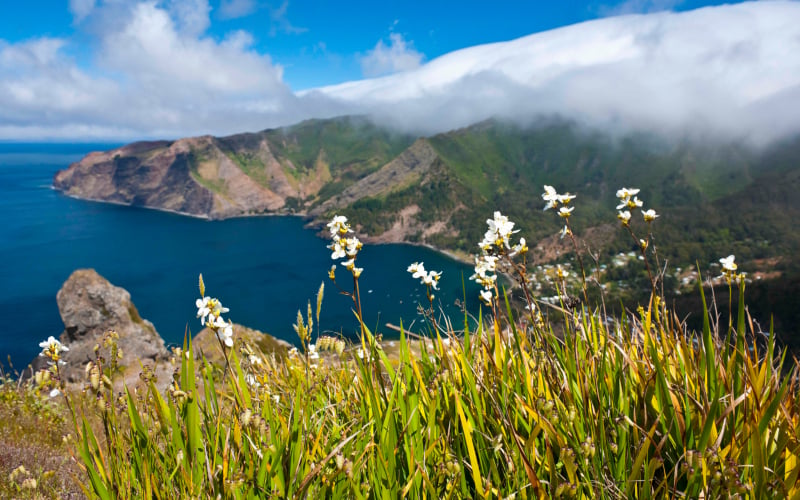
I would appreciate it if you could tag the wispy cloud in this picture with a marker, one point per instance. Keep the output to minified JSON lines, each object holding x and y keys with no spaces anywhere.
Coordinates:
{"x":731,"y":70}
{"x":638,"y":7}
{"x":80,"y":9}
{"x":234,"y":9}
{"x":398,"y":55}
{"x":280,"y":21}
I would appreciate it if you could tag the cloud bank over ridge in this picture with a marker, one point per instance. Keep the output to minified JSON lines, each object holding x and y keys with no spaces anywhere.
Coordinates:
{"x":732,"y":71}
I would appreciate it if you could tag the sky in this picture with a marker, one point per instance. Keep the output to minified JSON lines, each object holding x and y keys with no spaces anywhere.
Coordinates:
{"x":130,"y":69}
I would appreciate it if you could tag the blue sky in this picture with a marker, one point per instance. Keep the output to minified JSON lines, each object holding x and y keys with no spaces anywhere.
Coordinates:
{"x":131,"y":69}
{"x":322,"y":43}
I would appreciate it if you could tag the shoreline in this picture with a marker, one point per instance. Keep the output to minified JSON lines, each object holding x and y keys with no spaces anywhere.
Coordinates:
{"x":311,"y":224}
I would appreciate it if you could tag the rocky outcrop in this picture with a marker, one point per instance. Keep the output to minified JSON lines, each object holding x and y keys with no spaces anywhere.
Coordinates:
{"x":90,"y":306}
{"x":205,"y":343}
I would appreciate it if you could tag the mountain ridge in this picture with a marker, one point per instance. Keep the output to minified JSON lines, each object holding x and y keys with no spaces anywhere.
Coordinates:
{"x":437,"y":190}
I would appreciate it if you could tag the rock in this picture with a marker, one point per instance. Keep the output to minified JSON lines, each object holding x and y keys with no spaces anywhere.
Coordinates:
{"x":205,"y":342}
{"x":90,"y":306}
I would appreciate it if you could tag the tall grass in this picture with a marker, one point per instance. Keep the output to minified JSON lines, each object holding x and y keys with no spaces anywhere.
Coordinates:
{"x":606,"y":408}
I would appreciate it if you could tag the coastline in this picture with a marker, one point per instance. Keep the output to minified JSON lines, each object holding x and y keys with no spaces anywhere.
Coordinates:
{"x":311,"y":224}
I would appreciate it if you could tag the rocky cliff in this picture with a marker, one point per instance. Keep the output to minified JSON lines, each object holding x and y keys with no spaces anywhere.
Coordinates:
{"x":90,"y":306}
{"x":270,"y":172}
{"x":191,"y":176}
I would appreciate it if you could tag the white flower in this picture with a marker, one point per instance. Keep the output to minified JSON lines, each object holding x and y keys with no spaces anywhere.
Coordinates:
{"x":565,"y":211}
{"x":566,"y":198}
{"x":486,"y":296}
{"x":625,"y":193}
{"x":432,"y":279}
{"x":203,"y":309}
{"x":357,"y":271}
{"x":312,"y":351}
{"x":338,"y":249}
{"x":218,"y":309}
{"x":208,"y":309}
{"x":565,"y":232}
{"x":223,"y":329}
{"x":520,"y":247}
{"x":728,"y":264}
{"x":551,"y":197}
{"x":349,"y":264}
{"x":500,"y":228}
{"x":484,"y":264}
{"x":353,"y":246}
{"x":54,"y":393}
{"x":649,"y":215}
{"x":417,"y":270}
{"x":625,"y":217}
{"x":635,"y":203}
{"x":52,"y":347}
{"x":339,"y":225}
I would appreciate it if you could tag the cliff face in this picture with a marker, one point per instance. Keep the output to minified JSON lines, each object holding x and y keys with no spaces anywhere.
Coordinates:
{"x":192,"y":176}
{"x":270,"y":172}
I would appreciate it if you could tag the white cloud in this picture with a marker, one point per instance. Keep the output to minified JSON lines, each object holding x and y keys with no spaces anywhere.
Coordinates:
{"x":732,"y":70}
{"x":154,"y":76}
{"x":280,"y":21}
{"x":384,"y":59}
{"x":234,"y":9}
{"x":640,"y":7}
{"x":191,"y":16}
{"x":80,"y":9}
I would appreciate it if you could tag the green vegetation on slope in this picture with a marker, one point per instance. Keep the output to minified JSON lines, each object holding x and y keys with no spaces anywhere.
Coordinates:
{"x":351,"y":147}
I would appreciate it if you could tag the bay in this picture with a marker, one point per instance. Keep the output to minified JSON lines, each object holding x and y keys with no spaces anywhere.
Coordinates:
{"x":263,"y":268}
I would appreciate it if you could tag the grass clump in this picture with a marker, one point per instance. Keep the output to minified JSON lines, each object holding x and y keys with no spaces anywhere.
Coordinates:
{"x":535,"y":401}
{"x":34,"y":454}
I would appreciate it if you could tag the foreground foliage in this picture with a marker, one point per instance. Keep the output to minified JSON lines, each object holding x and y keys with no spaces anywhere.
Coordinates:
{"x":530,"y":401}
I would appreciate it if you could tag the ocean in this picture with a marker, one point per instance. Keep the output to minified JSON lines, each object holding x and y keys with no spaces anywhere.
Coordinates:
{"x":263,"y":268}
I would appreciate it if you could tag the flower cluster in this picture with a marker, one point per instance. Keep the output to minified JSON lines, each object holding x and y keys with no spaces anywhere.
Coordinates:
{"x":498,"y":235}
{"x":496,"y":243}
{"x":210,"y":311}
{"x":561,"y":202}
{"x":630,"y":202}
{"x":429,"y":279}
{"x":343,"y":246}
{"x":52,"y":349}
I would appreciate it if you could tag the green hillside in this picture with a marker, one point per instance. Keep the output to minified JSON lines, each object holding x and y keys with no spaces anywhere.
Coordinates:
{"x":718,"y":198}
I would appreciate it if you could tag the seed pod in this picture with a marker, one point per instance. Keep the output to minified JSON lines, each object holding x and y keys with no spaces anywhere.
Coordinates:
{"x":94,"y":377}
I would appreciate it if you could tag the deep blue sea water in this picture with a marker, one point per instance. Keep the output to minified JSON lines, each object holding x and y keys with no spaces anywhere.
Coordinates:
{"x":263,"y":268}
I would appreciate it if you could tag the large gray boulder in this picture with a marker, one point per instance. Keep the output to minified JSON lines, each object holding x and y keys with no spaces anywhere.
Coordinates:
{"x":90,"y":306}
